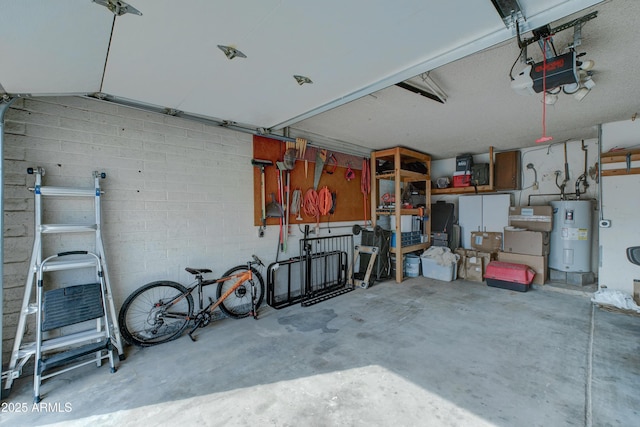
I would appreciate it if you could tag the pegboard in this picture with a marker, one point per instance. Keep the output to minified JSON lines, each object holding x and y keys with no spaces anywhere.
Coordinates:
{"x":350,"y":203}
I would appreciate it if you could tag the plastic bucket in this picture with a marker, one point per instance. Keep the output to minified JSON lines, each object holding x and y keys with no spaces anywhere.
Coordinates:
{"x":412,"y":267}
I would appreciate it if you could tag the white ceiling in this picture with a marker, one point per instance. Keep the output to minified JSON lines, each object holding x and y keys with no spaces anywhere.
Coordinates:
{"x":353,"y":51}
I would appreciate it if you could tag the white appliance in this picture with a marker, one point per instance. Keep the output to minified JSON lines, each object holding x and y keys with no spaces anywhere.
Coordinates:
{"x":482,"y":212}
{"x":570,"y":240}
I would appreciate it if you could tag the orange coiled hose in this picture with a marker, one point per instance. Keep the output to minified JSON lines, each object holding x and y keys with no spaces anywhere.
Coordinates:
{"x":325,"y":201}
{"x":310,"y":204}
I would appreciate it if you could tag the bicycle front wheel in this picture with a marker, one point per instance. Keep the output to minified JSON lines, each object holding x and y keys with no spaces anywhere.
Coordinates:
{"x":238,"y":304}
{"x":155,"y":313}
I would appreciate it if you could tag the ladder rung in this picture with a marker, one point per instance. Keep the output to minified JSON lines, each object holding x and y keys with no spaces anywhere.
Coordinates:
{"x":70,"y":264}
{"x":67,"y":191}
{"x":67,"y":228}
{"x":67,"y":340}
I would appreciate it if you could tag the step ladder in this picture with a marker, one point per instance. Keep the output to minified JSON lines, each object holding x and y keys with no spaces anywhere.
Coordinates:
{"x":88,"y":307}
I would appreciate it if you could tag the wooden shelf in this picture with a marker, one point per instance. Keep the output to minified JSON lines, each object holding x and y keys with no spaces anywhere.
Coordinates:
{"x":621,"y":156}
{"x":407,"y":249}
{"x":402,"y":211}
{"x":404,"y":175}
{"x":462,"y":190}
{"x":397,"y":156}
{"x":466,"y":190}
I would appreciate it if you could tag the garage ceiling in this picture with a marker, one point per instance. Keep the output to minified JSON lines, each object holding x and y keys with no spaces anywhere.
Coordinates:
{"x":354,"y":52}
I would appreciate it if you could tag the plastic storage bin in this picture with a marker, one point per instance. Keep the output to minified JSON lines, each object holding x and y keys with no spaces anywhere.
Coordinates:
{"x":462,"y":179}
{"x":506,"y":275}
{"x":433,"y":270}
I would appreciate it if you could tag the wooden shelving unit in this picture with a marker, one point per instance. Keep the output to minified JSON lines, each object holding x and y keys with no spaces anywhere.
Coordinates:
{"x":622,"y":156}
{"x":471,"y":189}
{"x":401,"y":177}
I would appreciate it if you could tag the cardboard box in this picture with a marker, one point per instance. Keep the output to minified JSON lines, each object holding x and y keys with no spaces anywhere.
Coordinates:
{"x":538,"y":263}
{"x":486,"y":241}
{"x":534,"y":218}
{"x":473,"y":263}
{"x":526,"y":242}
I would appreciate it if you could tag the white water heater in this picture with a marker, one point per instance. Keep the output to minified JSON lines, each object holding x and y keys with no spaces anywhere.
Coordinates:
{"x":570,"y":241}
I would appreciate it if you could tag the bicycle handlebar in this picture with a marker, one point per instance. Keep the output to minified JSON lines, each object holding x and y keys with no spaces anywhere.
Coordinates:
{"x":257,"y":260}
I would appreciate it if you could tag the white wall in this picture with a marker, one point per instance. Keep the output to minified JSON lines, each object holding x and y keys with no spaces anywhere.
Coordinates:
{"x":178,"y":193}
{"x":546,"y":159}
{"x":621,"y":205}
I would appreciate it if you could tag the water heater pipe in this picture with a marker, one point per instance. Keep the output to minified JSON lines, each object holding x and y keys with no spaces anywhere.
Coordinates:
{"x":598,"y":172}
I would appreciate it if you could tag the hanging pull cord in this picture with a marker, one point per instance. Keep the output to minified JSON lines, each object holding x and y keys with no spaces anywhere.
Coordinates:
{"x":544,"y":137}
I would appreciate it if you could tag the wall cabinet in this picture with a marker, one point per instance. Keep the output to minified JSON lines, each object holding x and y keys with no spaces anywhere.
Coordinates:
{"x":401,"y":178}
{"x":507,"y":170}
{"x":483,"y":212}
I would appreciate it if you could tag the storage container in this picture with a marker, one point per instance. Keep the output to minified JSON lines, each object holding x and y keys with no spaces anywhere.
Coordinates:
{"x":464,"y":162}
{"x":461,"y":179}
{"x":433,"y":270}
{"x":412,"y":265}
{"x":406,"y":223}
{"x":407,"y":239}
{"x":516,"y":277}
{"x":537,"y":263}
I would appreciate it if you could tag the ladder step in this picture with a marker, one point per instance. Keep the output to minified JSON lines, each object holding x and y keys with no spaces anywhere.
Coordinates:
{"x":67,"y":356}
{"x":70,"y":264}
{"x":68,"y":191}
{"x":67,"y":340}
{"x":67,"y":228}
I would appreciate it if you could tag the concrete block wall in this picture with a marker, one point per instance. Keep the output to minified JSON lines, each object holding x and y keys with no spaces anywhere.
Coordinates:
{"x":178,"y":193}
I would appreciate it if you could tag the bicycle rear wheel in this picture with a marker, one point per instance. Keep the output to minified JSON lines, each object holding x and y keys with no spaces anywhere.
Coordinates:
{"x":155,"y":313}
{"x":238,"y":303}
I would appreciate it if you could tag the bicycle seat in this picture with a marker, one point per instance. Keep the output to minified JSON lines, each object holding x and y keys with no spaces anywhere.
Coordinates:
{"x":197,"y":270}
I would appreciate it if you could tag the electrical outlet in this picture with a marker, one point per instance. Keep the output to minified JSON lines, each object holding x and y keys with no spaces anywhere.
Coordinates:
{"x":535,"y":185}
{"x":605,"y":223}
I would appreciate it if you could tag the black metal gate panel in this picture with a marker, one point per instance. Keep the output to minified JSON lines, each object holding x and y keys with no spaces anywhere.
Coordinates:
{"x":325,"y":267}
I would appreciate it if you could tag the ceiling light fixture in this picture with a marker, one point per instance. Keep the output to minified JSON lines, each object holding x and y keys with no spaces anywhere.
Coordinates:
{"x":231,"y":52}
{"x":550,"y":98}
{"x":118,"y":7}
{"x":302,"y":79}
{"x":424,"y":85}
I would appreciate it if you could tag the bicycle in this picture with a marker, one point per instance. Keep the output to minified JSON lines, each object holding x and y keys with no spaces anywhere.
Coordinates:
{"x":160,"y":311}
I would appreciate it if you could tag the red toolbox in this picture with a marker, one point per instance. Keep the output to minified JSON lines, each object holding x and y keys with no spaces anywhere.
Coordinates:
{"x":461,"y":179}
{"x":507,"y":275}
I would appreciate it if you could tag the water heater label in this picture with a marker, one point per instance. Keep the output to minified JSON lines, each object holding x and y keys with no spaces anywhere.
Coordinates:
{"x":575,"y":234}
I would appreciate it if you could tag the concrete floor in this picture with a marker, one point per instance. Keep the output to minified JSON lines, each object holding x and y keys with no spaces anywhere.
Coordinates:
{"x":423,"y":352}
